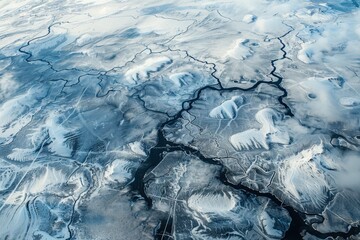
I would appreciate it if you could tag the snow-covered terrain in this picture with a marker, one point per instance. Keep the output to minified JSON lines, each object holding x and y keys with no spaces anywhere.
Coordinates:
{"x":185,"y":119}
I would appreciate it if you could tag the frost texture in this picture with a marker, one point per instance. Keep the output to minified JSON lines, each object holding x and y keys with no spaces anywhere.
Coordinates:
{"x":179,"y":119}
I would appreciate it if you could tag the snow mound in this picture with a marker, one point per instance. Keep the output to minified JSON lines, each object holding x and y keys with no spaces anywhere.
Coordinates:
{"x":239,"y":50}
{"x":270,"y":132}
{"x":249,"y":18}
{"x":228,"y":109}
{"x":150,"y":65}
{"x":212,"y":202}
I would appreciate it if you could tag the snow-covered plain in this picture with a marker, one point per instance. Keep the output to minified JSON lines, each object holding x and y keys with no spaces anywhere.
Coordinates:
{"x":185,"y":119}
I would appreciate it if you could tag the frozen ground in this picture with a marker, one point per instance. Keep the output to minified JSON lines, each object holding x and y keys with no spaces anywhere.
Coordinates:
{"x":179,"y":119}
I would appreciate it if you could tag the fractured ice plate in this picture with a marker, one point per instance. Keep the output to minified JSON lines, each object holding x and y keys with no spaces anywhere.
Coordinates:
{"x":179,"y":119}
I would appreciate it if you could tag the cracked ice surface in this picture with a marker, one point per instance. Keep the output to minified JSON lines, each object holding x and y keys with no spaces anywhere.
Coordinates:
{"x":179,"y":120}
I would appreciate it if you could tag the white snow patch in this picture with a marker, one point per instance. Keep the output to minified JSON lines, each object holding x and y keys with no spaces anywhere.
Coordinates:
{"x":45,"y":181}
{"x":150,"y":65}
{"x":18,"y":112}
{"x":302,"y":178}
{"x":59,"y":136}
{"x":249,"y":18}
{"x":8,"y":86}
{"x":118,"y":171}
{"x":137,"y":148}
{"x":239,"y":50}
{"x":260,"y":138}
{"x":350,"y":101}
{"x":212,"y":202}
{"x":268,"y":223}
{"x":228,"y":109}
{"x":181,"y":79}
